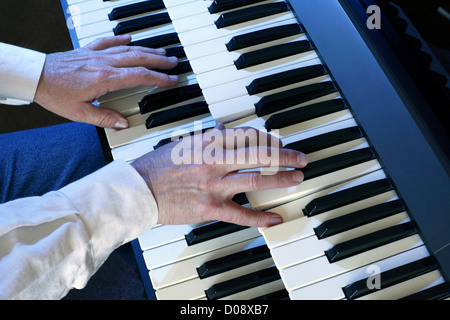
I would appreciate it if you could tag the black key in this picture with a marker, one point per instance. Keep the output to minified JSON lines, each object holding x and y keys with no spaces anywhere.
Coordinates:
{"x":157,"y":41}
{"x":358,"y":218}
{"x":240,"y":198}
{"x":175,"y":114}
{"x":277,"y":295}
{"x":262,"y":36}
{"x":233,"y":261}
{"x":285,"y":78}
{"x":135,"y":8}
{"x":260,"y":56}
{"x":337,"y":162}
{"x":166,"y":98}
{"x":211,"y":231}
{"x":326,"y":140}
{"x":347,"y":196}
{"x":301,"y":114}
{"x":182,"y":67}
{"x":242,"y":283}
{"x":391,"y":277}
{"x":282,"y":100}
{"x":242,"y":15}
{"x":168,"y":140}
{"x":439,"y":292}
{"x":176,"y":52}
{"x":223,"y":5}
{"x":141,"y":23}
{"x":370,"y":241}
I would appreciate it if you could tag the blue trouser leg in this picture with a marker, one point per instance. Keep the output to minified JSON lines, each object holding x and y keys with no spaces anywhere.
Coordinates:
{"x":34,"y":162}
{"x":37,"y":161}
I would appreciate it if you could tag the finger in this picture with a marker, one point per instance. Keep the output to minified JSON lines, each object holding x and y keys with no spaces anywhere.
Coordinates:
{"x":243,"y":137}
{"x":219,"y":126}
{"x":256,"y":181}
{"x":126,"y":48}
{"x":139,"y":58}
{"x":262,"y":156}
{"x":100,"y":117}
{"x":237,"y":214}
{"x":108,"y":42}
{"x":139,"y":76}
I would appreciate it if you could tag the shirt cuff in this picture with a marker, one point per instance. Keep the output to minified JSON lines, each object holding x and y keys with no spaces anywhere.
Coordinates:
{"x":115,"y":205}
{"x":20,"y":71}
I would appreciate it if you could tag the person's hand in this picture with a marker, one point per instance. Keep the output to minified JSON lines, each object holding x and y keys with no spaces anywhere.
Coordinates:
{"x":189,"y":193}
{"x":72,"y":80}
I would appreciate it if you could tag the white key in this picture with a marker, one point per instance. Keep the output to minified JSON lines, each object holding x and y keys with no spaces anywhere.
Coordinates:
{"x":243,"y":106}
{"x":204,"y":19}
{"x":406,"y":288}
{"x":146,"y":142}
{"x":238,"y":87}
{"x":206,"y":34}
{"x":195,"y":288}
{"x":184,"y":10}
{"x":302,"y":227}
{"x":70,"y":2}
{"x":331,"y":289}
{"x":127,"y":101}
{"x":179,"y":250}
{"x":81,"y":8}
{"x":164,"y":234}
{"x":173,"y":3}
{"x":311,"y":247}
{"x":136,"y":35}
{"x":231,"y":73}
{"x":270,"y":198}
{"x":224,"y":58}
{"x":183,"y":79}
{"x":94,"y":12}
{"x":206,"y":48}
{"x":320,"y":269}
{"x":292,"y":130}
{"x":105,"y":28}
{"x":293,"y":210}
{"x":187,"y":269}
{"x":154,"y":135}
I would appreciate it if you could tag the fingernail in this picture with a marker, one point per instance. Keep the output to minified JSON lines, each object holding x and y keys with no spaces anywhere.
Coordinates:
{"x":302,"y":160}
{"x":173,"y":59}
{"x":161,"y":51}
{"x":297,"y":176}
{"x":275,"y":220}
{"x":173,"y":78}
{"x":121,"y":124}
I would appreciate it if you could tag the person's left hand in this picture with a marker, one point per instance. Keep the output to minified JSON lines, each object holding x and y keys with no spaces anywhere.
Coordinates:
{"x":72,"y":80}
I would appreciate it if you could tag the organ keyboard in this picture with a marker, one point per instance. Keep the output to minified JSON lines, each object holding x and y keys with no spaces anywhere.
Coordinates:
{"x":375,"y":200}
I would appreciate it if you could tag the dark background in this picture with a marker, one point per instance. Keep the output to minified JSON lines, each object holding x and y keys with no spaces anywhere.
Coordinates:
{"x":37,"y":25}
{"x":40,"y":25}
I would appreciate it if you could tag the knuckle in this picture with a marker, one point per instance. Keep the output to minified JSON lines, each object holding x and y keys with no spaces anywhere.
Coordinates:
{"x":254,"y":181}
{"x":138,"y":55}
{"x":103,"y":73}
{"x":141,"y":71}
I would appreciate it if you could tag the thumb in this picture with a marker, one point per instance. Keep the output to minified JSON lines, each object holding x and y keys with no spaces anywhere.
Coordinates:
{"x":102,"y":117}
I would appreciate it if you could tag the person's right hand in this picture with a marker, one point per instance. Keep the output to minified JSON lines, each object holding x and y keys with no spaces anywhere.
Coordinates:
{"x":188,"y":193}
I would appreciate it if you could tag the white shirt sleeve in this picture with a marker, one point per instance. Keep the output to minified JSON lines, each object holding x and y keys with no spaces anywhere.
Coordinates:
{"x":53,"y":243}
{"x":20,"y":71}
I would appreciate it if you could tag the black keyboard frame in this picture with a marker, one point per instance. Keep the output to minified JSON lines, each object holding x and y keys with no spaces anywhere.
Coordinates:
{"x":388,"y":105}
